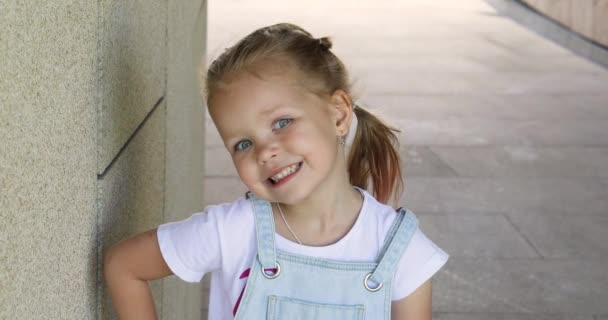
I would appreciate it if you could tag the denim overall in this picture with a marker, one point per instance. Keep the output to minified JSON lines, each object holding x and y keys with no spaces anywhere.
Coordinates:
{"x":294,"y":287}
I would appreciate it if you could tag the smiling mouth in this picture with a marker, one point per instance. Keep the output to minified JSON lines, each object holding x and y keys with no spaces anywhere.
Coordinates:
{"x":286,"y":173}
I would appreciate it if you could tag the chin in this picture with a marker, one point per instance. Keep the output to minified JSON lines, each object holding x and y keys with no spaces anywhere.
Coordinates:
{"x":296,"y":197}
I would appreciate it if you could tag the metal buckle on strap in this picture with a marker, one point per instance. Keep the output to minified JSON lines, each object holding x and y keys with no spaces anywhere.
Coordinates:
{"x":367,"y":285}
{"x":274,"y":275}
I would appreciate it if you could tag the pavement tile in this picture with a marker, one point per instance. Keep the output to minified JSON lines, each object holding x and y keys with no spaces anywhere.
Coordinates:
{"x":422,"y":161}
{"x":524,"y":161}
{"x":494,"y":237}
{"x":475,"y":131}
{"x":551,"y":286}
{"x":512,"y":62}
{"x":564,"y":236}
{"x":487,"y":106}
{"x":409,"y":62}
{"x":573,"y":106}
{"x":506,"y":82}
{"x":509,"y":316}
{"x":574,"y":196}
{"x":415,"y":46}
{"x":524,"y":47}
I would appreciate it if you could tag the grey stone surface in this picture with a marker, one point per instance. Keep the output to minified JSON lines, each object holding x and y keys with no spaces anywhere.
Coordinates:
{"x":532,"y":286}
{"x":519,"y":108}
{"x":509,"y":316}
{"x":503,"y":83}
{"x":48,"y":252}
{"x":421,"y":161}
{"x":510,"y":62}
{"x":565,"y":236}
{"x":415,"y":49}
{"x":77,"y":80}
{"x":495,"y":236}
{"x":574,"y":196}
{"x":132,"y":195}
{"x":184,"y":174}
{"x":132,"y":49}
{"x":360,"y":66}
{"x":504,"y":58}
{"x":476,"y":131}
{"x":525,"y":161}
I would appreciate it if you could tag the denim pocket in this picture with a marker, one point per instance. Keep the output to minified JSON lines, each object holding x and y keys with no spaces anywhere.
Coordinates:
{"x":280,"y":308}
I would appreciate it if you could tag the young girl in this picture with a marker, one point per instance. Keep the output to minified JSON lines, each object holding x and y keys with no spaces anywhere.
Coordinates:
{"x":308,"y":241}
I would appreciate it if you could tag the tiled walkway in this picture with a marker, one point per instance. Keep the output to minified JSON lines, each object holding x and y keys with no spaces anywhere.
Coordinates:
{"x":505,"y":145}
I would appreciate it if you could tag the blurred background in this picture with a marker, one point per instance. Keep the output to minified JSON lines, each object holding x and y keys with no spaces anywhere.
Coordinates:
{"x":504,"y":138}
{"x":502,"y":107}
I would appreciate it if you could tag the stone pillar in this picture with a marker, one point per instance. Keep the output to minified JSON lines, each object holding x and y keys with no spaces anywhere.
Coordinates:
{"x":102,"y":128}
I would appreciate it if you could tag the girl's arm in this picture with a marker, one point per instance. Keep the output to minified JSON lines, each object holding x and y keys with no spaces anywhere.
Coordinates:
{"x":416,"y":306}
{"x":127,"y":268}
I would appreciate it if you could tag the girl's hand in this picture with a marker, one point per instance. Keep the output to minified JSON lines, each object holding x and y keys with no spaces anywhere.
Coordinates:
{"x":416,"y":306}
{"x":127,"y":267}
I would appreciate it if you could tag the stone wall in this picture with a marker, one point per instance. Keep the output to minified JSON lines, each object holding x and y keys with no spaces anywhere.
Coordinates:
{"x":587,"y":17}
{"x":102,"y":128}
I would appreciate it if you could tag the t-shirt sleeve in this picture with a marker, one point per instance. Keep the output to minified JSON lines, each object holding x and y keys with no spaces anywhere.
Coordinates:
{"x":191,"y":247}
{"x":420,"y":261}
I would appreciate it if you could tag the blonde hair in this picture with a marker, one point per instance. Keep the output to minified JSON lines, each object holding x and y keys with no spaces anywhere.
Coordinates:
{"x":374,"y":155}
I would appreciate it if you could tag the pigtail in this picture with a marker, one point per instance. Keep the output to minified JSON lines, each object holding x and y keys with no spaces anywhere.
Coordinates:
{"x":374,"y":158}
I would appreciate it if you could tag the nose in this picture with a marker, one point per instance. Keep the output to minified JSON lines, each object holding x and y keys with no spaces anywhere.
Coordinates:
{"x":267,"y":151}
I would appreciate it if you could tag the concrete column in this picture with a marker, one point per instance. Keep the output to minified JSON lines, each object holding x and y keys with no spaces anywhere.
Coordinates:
{"x":102,"y":135}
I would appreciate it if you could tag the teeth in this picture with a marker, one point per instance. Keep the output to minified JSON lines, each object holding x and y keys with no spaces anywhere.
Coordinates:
{"x":287,"y":171}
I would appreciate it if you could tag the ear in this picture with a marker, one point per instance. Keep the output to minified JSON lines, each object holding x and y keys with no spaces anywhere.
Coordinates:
{"x":341,"y":109}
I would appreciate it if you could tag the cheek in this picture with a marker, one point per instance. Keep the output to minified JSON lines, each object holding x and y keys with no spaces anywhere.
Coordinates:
{"x":310,"y":141}
{"x":243,"y":169}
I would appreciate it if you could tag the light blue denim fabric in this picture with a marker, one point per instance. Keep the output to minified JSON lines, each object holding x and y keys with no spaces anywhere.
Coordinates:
{"x":312,"y":288}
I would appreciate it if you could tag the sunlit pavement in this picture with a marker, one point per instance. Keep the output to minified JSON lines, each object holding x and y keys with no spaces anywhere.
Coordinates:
{"x":504,"y":140}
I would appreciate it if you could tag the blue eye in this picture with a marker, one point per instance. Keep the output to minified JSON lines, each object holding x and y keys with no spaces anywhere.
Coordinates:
{"x":243,"y":144}
{"x":282,"y":123}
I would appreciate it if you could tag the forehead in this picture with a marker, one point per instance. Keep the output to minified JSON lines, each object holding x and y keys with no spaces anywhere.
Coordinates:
{"x":254,"y":93}
{"x":252,"y":97}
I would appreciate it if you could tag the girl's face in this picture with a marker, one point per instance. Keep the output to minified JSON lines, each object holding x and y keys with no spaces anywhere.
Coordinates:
{"x":282,"y":138}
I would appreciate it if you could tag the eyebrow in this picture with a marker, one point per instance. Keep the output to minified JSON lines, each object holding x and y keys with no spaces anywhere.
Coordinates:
{"x":271,"y":110}
{"x":264,"y":114}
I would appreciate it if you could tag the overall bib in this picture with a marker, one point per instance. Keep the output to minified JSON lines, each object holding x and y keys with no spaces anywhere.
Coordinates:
{"x":289,"y":286}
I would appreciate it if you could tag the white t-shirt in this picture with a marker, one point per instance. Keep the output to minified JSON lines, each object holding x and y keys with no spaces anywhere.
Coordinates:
{"x":221,"y":240}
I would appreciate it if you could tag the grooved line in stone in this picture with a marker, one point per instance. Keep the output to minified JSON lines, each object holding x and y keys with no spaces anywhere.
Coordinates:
{"x":518,"y":230}
{"x":124,"y":146}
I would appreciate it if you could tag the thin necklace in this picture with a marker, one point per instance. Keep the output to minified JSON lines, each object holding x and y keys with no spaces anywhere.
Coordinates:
{"x":287,"y":224}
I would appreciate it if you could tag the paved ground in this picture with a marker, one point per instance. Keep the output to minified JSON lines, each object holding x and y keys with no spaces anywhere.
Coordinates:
{"x":505,"y":145}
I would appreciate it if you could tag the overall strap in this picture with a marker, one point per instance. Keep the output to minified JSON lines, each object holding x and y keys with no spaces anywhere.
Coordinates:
{"x":396,"y":241}
{"x":264,"y":228}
